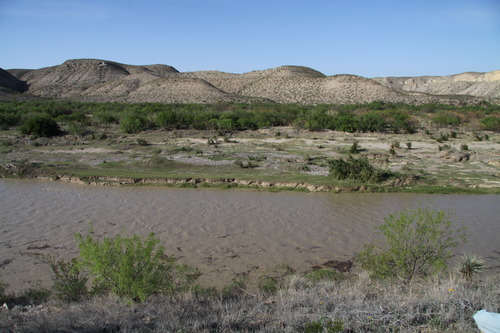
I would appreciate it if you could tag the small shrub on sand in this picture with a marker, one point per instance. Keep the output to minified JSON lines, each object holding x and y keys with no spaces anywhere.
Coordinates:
{"x":354,"y":148}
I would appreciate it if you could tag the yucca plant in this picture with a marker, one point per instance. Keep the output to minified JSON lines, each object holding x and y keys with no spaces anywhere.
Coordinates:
{"x":469,"y":265}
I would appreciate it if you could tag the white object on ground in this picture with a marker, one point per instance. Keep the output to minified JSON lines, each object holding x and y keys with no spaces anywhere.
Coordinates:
{"x":488,"y":322}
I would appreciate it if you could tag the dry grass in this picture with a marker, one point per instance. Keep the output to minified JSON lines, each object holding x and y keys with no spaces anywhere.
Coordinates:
{"x":363,"y":305}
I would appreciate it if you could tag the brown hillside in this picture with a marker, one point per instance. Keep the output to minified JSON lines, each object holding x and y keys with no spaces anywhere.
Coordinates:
{"x":101,"y":80}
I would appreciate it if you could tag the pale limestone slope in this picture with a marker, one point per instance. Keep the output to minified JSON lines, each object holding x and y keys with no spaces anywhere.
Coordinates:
{"x":469,"y":83}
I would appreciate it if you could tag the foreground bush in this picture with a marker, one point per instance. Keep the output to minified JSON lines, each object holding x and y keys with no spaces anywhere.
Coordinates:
{"x":133,"y":268}
{"x":417,"y":244}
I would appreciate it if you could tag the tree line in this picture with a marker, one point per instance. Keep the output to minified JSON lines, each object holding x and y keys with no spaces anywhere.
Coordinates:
{"x":34,"y":117}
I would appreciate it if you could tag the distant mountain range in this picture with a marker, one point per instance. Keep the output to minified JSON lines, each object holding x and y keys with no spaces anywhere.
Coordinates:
{"x":102,"y":80}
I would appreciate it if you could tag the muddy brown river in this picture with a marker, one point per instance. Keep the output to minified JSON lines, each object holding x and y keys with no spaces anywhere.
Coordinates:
{"x":222,"y":232}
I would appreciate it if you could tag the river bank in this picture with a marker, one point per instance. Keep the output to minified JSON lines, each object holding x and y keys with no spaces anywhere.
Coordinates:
{"x":280,"y":158}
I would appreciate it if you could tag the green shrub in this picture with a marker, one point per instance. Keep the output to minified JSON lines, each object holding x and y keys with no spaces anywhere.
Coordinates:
{"x":400,"y":121}
{"x":133,"y":123}
{"x":70,"y":282}
{"x":324,"y":274}
{"x":354,"y":148}
{"x":142,"y":142}
{"x":372,"y":121}
{"x":7,"y":120}
{"x":491,"y":123}
{"x":346,"y":122}
{"x":167,"y":119}
{"x":105,"y":118}
{"x":356,"y":169}
{"x":133,"y":268}
{"x":324,"y":325}
{"x":445,"y":147}
{"x":40,"y":125}
{"x":446,"y":119}
{"x":417,"y":244}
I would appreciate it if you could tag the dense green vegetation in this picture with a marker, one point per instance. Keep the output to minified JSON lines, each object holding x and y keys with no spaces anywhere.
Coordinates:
{"x":228,"y":117}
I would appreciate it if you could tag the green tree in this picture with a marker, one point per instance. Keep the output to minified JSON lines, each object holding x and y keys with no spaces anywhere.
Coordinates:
{"x":417,"y":244}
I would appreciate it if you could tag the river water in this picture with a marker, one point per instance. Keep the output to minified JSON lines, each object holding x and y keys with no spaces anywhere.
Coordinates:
{"x":222,"y":232}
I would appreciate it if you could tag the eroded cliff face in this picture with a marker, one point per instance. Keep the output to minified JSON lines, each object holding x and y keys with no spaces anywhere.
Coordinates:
{"x":485,"y":85}
{"x":101,"y":80}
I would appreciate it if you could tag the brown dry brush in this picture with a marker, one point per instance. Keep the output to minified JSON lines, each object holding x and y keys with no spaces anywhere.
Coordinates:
{"x":361,"y":304}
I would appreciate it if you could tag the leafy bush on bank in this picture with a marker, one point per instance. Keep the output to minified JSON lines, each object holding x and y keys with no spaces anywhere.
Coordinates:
{"x":358,"y":169}
{"x":417,"y":244}
{"x":133,"y":268}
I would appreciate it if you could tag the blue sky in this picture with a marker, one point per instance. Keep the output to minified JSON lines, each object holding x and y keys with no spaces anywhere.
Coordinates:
{"x":363,"y":37}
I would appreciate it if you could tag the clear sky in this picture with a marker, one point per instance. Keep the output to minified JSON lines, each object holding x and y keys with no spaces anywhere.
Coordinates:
{"x":363,"y":37}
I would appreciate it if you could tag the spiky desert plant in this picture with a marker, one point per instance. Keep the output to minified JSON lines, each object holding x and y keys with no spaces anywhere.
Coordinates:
{"x":469,"y":265}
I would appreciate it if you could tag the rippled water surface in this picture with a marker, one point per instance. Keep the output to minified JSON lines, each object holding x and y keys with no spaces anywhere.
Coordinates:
{"x":222,"y":232}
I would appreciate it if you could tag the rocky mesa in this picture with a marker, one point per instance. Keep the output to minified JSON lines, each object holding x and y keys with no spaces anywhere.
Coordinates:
{"x":108,"y":81}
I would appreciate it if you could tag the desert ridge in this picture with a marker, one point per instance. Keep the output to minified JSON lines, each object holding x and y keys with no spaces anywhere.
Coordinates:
{"x":107,"y":81}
